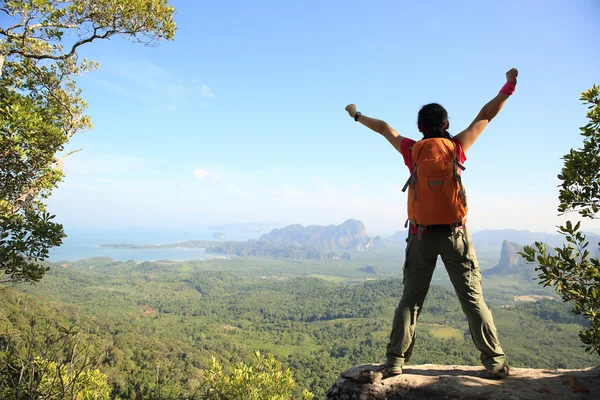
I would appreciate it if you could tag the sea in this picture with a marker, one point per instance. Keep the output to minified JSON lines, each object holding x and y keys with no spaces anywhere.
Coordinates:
{"x":85,"y":243}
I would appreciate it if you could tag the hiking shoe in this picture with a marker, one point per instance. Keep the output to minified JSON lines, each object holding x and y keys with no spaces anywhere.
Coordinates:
{"x":500,"y":374}
{"x":392,"y":371}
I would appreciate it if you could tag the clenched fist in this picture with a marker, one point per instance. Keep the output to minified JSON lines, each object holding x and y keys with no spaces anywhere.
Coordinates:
{"x":511,"y":76}
{"x":351,"y":108}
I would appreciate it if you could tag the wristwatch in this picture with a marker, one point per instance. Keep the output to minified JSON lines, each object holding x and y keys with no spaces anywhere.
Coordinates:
{"x":356,"y":115}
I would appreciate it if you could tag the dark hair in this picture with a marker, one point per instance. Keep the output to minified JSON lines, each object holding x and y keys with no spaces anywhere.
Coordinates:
{"x":432,"y":119}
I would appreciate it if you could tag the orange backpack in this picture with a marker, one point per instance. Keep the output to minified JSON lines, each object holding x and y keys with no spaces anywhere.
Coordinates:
{"x":436,"y":195}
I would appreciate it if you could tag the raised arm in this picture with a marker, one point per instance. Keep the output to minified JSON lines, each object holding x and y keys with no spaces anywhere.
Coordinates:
{"x":488,"y":112}
{"x":377,"y":125}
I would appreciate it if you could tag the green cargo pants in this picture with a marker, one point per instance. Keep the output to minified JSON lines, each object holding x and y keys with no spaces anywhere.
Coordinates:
{"x":461,"y":263}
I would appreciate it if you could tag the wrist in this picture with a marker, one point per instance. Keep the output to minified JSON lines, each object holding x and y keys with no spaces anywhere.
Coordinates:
{"x":357,"y":114}
{"x":508,"y":88}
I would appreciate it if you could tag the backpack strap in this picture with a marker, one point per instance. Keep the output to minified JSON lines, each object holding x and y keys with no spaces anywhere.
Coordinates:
{"x":457,"y":227}
{"x":408,"y":182}
{"x":456,"y":165}
{"x":412,"y":181}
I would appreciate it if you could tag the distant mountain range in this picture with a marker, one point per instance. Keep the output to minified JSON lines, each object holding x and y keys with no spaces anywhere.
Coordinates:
{"x":497,"y":237}
{"x":313,"y":242}
{"x":326,"y":242}
{"x":512,"y":263}
{"x":512,"y":242}
{"x":293,"y":241}
{"x":516,"y":239}
{"x":350,"y":235}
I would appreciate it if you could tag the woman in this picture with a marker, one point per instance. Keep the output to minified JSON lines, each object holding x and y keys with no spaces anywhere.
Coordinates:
{"x":441,"y":237}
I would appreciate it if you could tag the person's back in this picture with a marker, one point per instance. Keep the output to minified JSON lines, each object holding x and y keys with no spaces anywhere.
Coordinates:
{"x":437,"y":211}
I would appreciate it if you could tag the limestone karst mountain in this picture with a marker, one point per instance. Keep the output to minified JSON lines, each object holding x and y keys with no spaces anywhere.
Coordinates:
{"x":350,"y":235}
{"x":511,"y":262}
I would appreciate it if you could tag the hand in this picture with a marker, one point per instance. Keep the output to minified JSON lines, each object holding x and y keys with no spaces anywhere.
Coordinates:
{"x":511,"y":76}
{"x":351,"y":108}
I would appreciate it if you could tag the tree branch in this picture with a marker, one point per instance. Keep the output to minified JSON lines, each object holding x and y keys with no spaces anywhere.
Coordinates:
{"x":64,"y":26}
{"x":51,"y":93}
{"x":61,"y":161}
{"x":95,"y":36}
{"x":7,"y":32}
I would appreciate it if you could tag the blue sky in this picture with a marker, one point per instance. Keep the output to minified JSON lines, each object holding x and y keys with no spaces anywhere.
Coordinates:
{"x":241,"y":118}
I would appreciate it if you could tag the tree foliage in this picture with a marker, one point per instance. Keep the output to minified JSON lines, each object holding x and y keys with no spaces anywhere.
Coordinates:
{"x":41,"y":108}
{"x":49,"y":362}
{"x":263,"y":379}
{"x":574,"y":270}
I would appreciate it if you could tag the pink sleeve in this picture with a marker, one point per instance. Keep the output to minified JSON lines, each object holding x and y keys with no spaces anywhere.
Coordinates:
{"x":405,"y":150}
{"x":462,"y":157}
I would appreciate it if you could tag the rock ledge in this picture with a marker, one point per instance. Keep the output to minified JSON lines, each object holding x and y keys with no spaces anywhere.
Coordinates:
{"x":430,"y":381}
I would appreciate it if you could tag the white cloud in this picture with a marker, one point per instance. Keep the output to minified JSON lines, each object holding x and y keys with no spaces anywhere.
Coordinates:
{"x":201,"y":174}
{"x":207,"y":92}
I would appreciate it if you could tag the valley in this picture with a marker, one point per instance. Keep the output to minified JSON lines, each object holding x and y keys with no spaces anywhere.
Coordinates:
{"x":318,"y":316}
